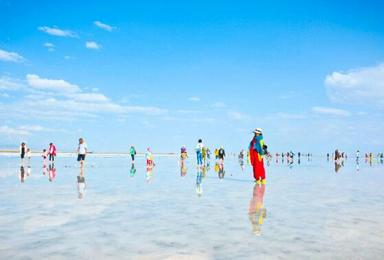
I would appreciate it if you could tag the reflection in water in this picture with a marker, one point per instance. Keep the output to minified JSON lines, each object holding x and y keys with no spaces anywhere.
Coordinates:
{"x":22,"y":174}
{"x":257,"y":211}
{"x":199,"y":180}
{"x":149,"y":172}
{"x":81,"y":186}
{"x":51,"y":172}
{"x":132,"y":171}
{"x":338,"y":165}
{"x":183,"y":167}
{"x":219,"y":168}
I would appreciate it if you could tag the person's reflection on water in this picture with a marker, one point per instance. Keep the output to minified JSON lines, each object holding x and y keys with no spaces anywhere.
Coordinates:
{"x":183,"y":165}
{"x":149,"y":172}
{"x":221,"y":172}
{"x":199,"y":180}
{"x":257,"y":211}
{"x":338,"y":165}
{"x":132,"y":171}
{"x":81,"y":185}
{"x":51,"y":172}
{"x":22,"y":174}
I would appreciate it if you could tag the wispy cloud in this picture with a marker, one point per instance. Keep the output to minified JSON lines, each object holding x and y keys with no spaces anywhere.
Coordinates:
{"x":21,"y":130}
{"x":51,"y":84}
{"x":218,"y":105}
{"x":57,"y":99}
{"x":10,"y":56}
{"x":92,"y":45}
{"x":235,"y":115}
{"x":364,"y":85}
{"x":104,"y":26}
{"x":331,"y":111}
{"x":194,"y":99}
{"x":49,"y":46}
{"x":7,"y":83}
{"x":56,"y":31}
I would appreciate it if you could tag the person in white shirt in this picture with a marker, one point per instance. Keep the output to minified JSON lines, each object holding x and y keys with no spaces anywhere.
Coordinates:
{"x":81,"y":151}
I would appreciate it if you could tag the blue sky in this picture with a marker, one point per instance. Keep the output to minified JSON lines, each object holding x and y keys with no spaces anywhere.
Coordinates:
{"x":310,"y":73}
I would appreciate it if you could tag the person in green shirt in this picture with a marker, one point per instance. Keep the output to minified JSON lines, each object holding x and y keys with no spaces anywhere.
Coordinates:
{"x":132,"y":151}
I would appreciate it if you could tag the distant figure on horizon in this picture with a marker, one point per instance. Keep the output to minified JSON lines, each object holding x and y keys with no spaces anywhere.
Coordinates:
{"x":183,"y":152}
{"x":149,"y":157}
{"x":257,"y":149}
{"x":82,"y":151}
{"x":199,"y":152}
{"x":52,"y":152}
{"x":44,"y":155}
{"x":132,"y":152}
{"x":221,"y":154}
{"x":29,"y":155}
{"x":23,"y":150}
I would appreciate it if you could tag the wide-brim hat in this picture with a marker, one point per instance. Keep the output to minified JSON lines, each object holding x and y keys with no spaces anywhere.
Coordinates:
{"x":257,"y":131}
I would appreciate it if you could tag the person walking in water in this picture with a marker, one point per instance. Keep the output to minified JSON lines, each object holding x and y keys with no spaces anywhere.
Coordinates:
{"x":132,"y":151}
{"x":82,"y":150}
{"x":149,"y":157}
{"x":256,"y":150}
{"x":221,"y":154}
{"x":51,"y":152}
{"x":199,"y":152}
{"x":23,"y":150}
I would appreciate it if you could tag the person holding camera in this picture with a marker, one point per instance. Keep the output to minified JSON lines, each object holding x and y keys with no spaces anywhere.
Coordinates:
{"x":257,"y":149}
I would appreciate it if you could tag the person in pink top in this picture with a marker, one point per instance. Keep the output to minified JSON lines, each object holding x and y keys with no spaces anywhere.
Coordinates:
{"x":52,"y":152}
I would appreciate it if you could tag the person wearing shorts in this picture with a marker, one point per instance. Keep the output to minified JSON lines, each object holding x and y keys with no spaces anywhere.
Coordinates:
{"x":81,"y":151}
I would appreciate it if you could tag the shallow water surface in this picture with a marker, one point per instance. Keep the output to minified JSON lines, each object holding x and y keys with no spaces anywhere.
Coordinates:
{"x":119,"y":212}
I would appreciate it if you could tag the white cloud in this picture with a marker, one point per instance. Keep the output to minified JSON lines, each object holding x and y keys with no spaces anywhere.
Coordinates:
{"x":331,"y":111}
{"x":57,"y":31}
{"x":237,"y":115}
{"x":49,"y":46}
{"x":4,"y":95}
{"x":92,"y":45}
{"x":7,"y":83}
{"x":6,"y":130}
{"x":104,"y":26}
{"x":218,"y":105}
{"x":194,"y":99}
{"x":21,"y":130}
{"x":364,"y":85}
{"x":10,"y":56}
{"x":58,"y":99}
{"x":51,"y":84}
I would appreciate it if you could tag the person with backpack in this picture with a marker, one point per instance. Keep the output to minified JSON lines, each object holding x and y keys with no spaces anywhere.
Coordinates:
{"x":257,"y":149}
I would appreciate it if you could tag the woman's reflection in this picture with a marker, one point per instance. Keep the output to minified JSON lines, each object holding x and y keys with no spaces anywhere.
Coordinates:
{"x":51,"y":172}
{"x":81,"y":186}
{"x":257,"y":212}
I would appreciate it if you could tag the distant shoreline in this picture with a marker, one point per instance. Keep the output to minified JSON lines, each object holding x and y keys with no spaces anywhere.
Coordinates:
{"x":74,"y":154}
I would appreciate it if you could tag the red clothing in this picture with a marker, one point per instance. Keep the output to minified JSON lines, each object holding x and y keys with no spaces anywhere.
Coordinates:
{"x":257,"y":162}
{"x":52,"y":150}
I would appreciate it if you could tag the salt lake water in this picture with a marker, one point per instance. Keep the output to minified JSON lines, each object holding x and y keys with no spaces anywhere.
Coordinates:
{"x":305,"y":211}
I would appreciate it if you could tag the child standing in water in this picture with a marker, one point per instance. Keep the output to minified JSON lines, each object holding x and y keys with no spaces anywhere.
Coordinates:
{"x":199,"y":152}
{"x":82,"y":150}
{"x":132,"y":151}
{"x":149,"y":157}
{"x":29,"y":154}
{"x":256,"y":150}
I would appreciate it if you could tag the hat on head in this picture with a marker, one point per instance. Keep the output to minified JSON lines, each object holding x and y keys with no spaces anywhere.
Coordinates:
{"x":257,"y":131}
